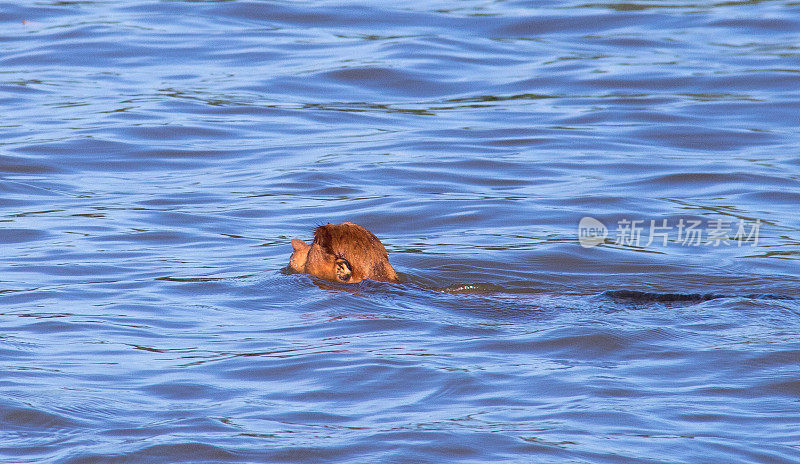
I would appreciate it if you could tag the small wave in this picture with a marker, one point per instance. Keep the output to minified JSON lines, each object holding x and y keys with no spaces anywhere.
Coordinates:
{"x":479,"y":288}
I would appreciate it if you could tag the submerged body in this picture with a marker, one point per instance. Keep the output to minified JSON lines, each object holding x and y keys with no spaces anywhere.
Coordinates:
{"x":343,"y":252}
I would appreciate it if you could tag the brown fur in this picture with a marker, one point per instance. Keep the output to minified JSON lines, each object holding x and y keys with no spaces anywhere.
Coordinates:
{"x":343,"y":252}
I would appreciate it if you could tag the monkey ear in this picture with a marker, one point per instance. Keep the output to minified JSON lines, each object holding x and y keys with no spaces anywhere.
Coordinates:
{"x":343,"y":270}
{"x":298,"y":244}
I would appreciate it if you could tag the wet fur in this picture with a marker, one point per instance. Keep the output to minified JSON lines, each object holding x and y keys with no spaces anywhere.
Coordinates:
{"x":343,"y":252}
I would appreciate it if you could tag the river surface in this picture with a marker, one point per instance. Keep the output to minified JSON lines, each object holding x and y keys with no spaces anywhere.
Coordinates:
{"x":156,"y":159}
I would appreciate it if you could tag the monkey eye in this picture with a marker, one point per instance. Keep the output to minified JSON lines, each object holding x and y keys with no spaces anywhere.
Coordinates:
{"x":343,"y":269}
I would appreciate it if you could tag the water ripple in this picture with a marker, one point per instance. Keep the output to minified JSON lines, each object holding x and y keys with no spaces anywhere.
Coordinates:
{"x":157,"y":158}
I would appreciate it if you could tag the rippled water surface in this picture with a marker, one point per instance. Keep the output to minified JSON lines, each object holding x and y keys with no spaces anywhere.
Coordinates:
{"x":157,"y":157}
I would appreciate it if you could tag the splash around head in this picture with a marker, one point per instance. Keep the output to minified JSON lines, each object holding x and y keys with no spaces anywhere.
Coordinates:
{"x":343,"y":252}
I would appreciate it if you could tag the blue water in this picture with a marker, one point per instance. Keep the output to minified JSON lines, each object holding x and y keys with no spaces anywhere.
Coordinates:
{"x":156,"y":158}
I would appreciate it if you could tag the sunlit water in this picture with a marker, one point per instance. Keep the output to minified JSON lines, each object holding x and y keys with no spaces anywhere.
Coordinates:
{"x":157,"y":157}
